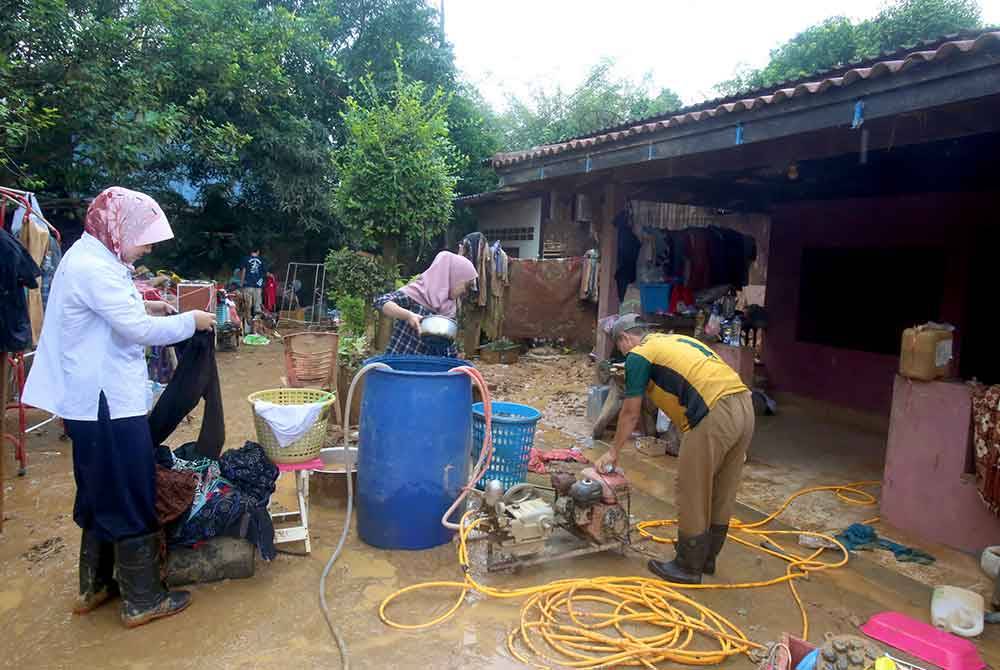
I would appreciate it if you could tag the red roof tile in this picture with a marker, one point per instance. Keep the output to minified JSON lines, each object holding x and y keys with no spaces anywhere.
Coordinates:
{"x":944,"y":51}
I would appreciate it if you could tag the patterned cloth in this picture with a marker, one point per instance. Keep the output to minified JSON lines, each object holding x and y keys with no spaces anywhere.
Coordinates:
{"x":986,"y":441}
{"x":404,"y":340}
{"x":231,"y":499}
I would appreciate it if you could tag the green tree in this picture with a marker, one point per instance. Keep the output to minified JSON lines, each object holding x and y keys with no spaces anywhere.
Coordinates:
{"x":906,"y":22}
{"x":397,"y":165}
{"x":837,"y":41}
{"x":600,"y":101}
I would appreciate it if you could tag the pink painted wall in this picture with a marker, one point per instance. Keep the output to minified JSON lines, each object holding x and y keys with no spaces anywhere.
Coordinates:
{"x":738,"y":358}
{"x":857,"y":379}
{"x":926,"y":490}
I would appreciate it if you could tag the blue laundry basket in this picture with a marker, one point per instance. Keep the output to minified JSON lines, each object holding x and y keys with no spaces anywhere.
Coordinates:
{"x":513,"y":428}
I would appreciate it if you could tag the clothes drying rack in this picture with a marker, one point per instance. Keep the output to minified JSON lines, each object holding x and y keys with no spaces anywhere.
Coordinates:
{"x":15,"y":361}
{"x":317,"y":310}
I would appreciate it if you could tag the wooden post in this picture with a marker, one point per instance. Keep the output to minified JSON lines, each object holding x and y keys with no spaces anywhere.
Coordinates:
{"x":3,"y":427}
{"x":611,"y":201}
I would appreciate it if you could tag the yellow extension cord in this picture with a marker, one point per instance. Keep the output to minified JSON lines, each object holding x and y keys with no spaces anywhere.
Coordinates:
{"x":580,"y":639}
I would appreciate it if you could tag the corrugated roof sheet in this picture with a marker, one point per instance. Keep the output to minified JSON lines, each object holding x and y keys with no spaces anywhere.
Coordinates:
{"x":892,"y":65}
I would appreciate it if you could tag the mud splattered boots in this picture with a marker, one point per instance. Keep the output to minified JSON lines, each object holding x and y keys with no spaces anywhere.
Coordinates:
{"x":97,"y":566}
{"x":718,"y":534}
{"x":144,"y":597}
{"x":688,"y":564}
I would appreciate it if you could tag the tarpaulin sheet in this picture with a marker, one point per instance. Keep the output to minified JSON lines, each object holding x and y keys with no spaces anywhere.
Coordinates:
{"x":544,"y":302}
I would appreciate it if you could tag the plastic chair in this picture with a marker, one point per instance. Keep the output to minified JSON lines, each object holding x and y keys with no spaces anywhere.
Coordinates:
{"x":312,"y":361}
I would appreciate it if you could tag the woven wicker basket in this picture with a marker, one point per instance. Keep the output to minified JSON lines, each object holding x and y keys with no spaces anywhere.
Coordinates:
{"x":307,"y":447}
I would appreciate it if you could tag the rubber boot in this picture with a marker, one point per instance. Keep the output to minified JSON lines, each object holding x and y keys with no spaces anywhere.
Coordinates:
{"x":718,"y":534}
{"x":144,"y":597}
{"x":97,"y":565}
{"x":687,"y":566}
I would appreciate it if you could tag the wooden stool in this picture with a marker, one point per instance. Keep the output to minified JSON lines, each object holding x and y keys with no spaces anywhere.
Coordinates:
{"x":299,"y":533}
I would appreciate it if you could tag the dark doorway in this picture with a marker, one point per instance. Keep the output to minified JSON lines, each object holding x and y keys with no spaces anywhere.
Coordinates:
{"x":863,"y":298}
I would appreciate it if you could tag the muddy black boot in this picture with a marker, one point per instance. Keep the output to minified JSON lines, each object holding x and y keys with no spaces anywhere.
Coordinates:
{"x":144,"y":597}
{"x":718,"y":534}
{"x":687,"y":566}
{"x":97,"y":565}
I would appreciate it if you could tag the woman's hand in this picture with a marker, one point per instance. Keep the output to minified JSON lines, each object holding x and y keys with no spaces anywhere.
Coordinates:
{"x":159,"y":308}
{"x":203,"y":320}
{"x":414,"y":321}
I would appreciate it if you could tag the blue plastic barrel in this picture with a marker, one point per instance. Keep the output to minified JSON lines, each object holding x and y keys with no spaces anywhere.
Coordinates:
{"x":414,"y":450}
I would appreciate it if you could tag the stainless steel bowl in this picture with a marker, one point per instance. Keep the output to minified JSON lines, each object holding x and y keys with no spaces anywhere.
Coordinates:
{"x":438,"y":327}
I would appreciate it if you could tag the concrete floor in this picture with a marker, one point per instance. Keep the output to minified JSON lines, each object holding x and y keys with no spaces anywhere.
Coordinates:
{"x":273,"y":620}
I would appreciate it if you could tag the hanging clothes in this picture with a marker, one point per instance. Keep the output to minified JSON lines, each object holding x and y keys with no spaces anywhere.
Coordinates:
{"x":589,"y":276}
{"x":699,"y":273}
{"x":17,"y":272}
{"x":986,"y":443}
{"x":483,"y":263}
{"x":196,"y":377}
{"x":35,"y":238}
{"x":628,"y":253}
{"x":49,"y":265}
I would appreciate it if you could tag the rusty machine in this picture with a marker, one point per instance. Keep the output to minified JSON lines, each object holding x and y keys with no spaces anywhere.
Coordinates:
{"x":528,"y":524}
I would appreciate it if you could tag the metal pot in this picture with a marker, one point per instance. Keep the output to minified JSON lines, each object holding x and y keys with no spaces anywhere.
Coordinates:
{"x":439,"y":327}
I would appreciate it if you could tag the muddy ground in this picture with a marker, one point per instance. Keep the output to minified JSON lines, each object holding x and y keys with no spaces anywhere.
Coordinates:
{"x":273,"y":620}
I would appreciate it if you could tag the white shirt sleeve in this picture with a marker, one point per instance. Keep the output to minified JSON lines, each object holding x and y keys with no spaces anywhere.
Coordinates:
{"x":118,"y":303}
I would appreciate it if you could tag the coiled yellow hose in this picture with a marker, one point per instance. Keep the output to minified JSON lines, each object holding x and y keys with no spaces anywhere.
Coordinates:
{"x":592,"y":622}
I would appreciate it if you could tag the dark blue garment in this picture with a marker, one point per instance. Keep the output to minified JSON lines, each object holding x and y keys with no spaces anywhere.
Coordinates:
{"x":114,"y":467}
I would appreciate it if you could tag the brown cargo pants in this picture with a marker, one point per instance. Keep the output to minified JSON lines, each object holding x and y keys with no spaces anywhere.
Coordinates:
{"x":711,"y":463}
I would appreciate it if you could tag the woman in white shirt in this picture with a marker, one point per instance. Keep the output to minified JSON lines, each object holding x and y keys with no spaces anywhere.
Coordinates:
{"x":90,"y":369}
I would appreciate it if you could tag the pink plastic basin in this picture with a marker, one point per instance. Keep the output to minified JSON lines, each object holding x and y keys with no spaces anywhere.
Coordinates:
{"x":924,"y":641}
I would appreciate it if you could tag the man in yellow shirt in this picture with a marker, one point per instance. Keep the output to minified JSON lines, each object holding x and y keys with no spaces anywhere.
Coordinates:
{"x":712,"y":407}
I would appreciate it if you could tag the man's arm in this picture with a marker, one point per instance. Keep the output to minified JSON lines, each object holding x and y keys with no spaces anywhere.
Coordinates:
{"x":628,"y":419}
{"x":637,"y":371}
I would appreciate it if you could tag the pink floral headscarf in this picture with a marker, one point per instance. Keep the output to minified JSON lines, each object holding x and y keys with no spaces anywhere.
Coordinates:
{"x":122,"y":219}
{"x":433,"y":288}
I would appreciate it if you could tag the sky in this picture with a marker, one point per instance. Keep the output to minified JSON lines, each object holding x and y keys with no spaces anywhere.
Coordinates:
{"x":518,"y":45}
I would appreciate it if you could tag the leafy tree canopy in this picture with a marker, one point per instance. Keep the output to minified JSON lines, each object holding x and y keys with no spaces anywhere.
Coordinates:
{"x":397,"y":165}
{"x":600,"y":101}
{"x":838,"y":41}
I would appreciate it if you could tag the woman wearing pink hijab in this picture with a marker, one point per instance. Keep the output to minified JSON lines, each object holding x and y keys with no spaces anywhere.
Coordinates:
{"x":90,"y":370}
{"x":435,"y":292}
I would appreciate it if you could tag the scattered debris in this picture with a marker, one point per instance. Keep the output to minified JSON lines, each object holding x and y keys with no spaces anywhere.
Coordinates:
{"x":44,"y":550}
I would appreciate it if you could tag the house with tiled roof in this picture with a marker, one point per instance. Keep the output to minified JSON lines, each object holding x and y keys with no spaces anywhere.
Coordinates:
{"x":871,"y":192}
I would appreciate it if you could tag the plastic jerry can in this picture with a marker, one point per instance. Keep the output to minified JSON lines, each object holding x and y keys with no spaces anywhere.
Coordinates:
{"x":957,"y":611}
{"x":926,"y":351}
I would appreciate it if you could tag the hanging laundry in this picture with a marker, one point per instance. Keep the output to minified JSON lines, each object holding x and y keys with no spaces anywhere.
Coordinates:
{"x":49,"y":265}
{"x":986,"y":443}
{"x":628,"y":253}
{"x":472,"y":247}
{"x":35,"y":238}
{"x":589,"y":276}
{"x":17,"y":273}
